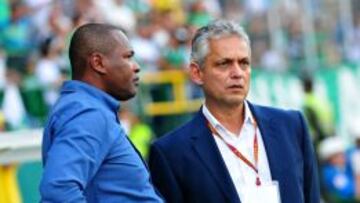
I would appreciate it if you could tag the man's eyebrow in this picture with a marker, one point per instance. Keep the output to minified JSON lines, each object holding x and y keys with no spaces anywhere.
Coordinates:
{"x":245,"y":59}
{"x":225,"y":59}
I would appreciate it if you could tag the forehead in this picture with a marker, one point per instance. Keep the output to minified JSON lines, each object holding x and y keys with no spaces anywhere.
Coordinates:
{"x":121,"y":41}
{"x":228,"y":45}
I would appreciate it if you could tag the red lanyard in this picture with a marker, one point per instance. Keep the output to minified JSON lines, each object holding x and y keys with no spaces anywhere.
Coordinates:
{"x":240,"y":155}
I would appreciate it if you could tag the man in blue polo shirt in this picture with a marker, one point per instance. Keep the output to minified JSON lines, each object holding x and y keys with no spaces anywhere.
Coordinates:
{"x":86,"y":154}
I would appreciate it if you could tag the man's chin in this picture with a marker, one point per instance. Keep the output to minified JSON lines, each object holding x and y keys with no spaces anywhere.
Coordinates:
{"x":235,"y":101}
{"x":126,"y":97}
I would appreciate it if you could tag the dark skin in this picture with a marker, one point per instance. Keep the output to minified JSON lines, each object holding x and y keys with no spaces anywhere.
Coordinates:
{"x":115,"y":72}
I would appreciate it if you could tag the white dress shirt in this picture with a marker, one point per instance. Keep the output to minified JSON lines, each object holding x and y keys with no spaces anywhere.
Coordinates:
{"x":241,"y":174}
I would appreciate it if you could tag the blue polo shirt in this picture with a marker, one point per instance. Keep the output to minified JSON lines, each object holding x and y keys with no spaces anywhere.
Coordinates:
{"x":86,"y":154}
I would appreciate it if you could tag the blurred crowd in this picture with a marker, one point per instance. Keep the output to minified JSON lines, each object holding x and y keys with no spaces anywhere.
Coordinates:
{"x":298,"y":36}
{"x":35,"y":34}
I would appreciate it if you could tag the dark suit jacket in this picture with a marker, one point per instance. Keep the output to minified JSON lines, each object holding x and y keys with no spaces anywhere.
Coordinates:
{"x":186,"y":165}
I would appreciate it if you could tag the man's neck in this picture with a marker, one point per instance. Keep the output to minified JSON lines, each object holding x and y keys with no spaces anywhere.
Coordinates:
{"x":231,"y":117}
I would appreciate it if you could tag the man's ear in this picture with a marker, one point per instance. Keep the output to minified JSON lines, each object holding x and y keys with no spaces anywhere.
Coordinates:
{"x":196,"y":73}
{"x":97,"y":62}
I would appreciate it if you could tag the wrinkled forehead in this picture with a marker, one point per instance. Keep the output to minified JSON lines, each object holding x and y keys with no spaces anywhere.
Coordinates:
{"x":222,"y":43}
{"x":229,"y":35}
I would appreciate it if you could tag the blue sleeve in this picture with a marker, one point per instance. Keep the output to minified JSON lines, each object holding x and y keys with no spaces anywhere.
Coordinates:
{"x":311,"y":179}
{"x":75,"y":154}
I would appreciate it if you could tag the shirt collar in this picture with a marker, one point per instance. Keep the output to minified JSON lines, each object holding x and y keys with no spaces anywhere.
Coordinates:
{"x":103,"y":97}
{"x":249,"y":118}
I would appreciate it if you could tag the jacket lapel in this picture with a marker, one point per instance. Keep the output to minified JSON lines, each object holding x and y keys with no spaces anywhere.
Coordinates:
{"x":209,"y":154}
{"x":272,"y":141}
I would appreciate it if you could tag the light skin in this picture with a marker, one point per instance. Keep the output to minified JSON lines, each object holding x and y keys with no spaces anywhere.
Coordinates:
{"x":338,"y":160}
{"x":115,"y":72}
{"x":225,"y":79}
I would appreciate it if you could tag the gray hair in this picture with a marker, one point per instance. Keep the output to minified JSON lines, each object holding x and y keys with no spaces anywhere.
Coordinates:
{"x":214,"y":30}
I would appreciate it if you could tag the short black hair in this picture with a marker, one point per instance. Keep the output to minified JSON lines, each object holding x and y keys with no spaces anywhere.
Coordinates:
{"x":87,"y":39}
{"x":308,"y":84}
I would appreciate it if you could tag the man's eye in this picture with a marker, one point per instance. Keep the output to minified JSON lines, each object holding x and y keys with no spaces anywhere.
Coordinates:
{"x":129,"y":55}
{"x":223,"y":63}
{"x":245,"y":63}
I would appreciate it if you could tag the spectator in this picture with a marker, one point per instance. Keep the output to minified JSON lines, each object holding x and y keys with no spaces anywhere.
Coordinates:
{"x":318,"y":113}
{"x":354,"y":156}
{"x":337,"y":177}
{"x":17,"y":37}
{"x":47,"y":71}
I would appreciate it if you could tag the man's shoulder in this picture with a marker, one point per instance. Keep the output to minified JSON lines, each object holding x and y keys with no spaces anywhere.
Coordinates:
{"x":71,"y":102}
{"x":180,"y":135}
{"x":72,"y":105}
{"x":290,"y":119}
{"x":274,"y":111}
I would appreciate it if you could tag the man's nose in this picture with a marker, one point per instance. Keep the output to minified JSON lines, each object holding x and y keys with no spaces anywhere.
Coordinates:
{"x":136,"y":67}
{"x":237,"y":71}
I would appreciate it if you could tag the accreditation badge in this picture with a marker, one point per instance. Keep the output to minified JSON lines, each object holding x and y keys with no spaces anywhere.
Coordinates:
{"x":266,"y":192}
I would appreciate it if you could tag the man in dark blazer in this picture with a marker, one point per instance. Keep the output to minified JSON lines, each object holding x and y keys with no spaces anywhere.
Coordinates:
{"x":232,"y":150}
